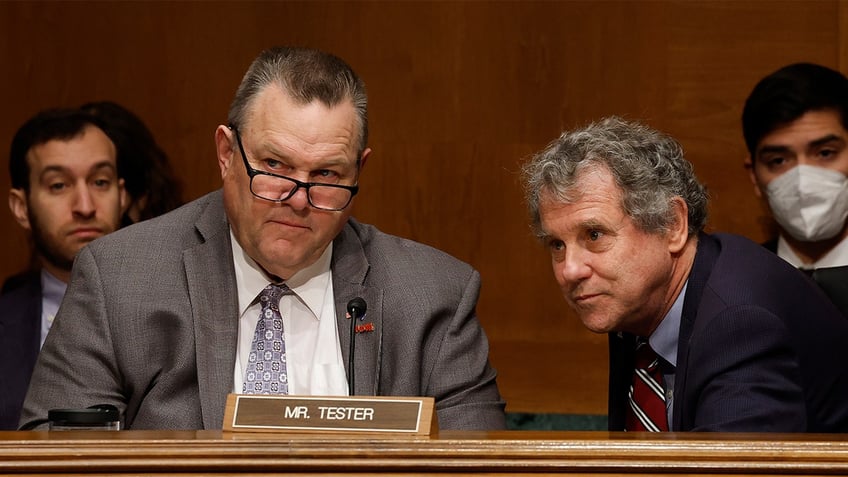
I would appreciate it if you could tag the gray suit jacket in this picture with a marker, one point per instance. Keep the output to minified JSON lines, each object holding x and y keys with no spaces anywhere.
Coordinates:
{"x":149,"y":323}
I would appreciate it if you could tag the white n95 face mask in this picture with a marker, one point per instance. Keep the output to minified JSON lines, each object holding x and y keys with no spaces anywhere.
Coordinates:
{"x":810,"y":203}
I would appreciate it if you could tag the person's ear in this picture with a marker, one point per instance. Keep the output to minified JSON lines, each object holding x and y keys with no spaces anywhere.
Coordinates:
{"x":363,"y":158}
{"x":678,"y":233}
{"x":224,"y":146}
{"x":123,"y":197}
{"x":749,"y":166}
{"x":20,"y":207}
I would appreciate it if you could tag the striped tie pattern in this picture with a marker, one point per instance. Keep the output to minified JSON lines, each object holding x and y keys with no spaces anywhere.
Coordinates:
{"x":647,"y":411}
{"x":266,"y":364}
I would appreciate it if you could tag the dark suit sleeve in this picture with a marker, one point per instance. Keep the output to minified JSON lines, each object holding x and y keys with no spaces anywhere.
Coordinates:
{"x":743,"y":375}
{"x":461,"y":377}
{"x":75,"y":368}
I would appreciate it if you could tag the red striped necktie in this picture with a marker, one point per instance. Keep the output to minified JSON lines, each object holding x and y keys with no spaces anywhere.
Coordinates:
{"x":646,"y":410}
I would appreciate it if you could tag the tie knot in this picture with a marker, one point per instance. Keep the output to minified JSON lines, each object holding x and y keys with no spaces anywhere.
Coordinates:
{"x":646,"y":357}
{"x":271,"y":294}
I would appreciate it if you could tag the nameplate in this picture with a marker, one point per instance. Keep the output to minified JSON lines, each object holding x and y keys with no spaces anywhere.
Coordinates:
{"x":345,"y":414}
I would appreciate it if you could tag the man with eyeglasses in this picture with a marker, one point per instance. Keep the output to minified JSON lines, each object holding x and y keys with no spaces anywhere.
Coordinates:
{"x":163,"y":320}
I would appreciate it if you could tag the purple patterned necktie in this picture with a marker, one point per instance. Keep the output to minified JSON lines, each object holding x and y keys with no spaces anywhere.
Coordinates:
{"x":266,"y":365}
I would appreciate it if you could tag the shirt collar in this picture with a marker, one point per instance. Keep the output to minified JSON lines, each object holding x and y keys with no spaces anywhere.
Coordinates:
{"x":664,"y":339}
{"x":308,"y":284}
{"x":52,"y":289}
{"x":837,"y":257}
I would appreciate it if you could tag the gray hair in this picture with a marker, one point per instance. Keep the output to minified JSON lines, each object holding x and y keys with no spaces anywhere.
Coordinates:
{"x":305,"y":75}
{"x":648,"y":166}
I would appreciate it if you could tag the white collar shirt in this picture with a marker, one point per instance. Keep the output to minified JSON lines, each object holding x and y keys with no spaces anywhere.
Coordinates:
{"x":837,"y":257}
{"x":52,"y":292}
{"x":313,"y":353}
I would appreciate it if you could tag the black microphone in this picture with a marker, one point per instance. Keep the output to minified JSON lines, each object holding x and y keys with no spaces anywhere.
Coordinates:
{"x":356,"y":308}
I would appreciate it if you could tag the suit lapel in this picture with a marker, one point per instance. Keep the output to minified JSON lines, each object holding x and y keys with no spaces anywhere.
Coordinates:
{"x":212,"y":291}
{"x":20,"y":332}
{"x":621,"y":358}
{"x":349,"y":269}
{"x":705,"y":257}
{"x":834,"y":282}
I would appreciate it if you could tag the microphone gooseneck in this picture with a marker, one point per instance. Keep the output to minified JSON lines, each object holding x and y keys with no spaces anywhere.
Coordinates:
{"x":356,"y":308}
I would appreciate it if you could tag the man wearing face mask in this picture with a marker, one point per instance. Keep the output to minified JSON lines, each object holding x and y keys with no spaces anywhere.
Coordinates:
{"x":795,"y":124}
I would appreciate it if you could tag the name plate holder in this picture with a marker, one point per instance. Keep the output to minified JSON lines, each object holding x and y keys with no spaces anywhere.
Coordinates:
{"x":331,"y":414}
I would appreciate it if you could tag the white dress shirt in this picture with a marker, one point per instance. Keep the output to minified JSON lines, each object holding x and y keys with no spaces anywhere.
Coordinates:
{"x":837,"y":257}
{"x":52,"y":292}
{"x":313,"y":354}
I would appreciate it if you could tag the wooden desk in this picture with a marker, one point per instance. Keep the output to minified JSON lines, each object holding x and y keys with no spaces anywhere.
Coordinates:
{"x":455,"y":453}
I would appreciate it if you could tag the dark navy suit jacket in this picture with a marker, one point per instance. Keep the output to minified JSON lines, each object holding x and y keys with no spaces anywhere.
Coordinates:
{"x":760,"y":348}
{"x":20,"y":336}
{"x":833,"y":280}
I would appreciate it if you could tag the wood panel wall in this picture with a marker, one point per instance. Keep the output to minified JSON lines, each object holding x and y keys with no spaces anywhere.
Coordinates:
{"x":460,"y":94}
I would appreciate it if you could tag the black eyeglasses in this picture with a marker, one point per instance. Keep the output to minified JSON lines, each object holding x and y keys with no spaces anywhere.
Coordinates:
{"x":277,"y":188}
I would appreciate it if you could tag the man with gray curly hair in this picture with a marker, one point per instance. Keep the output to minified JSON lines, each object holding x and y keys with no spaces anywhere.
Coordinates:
{"x":708,"y":332}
